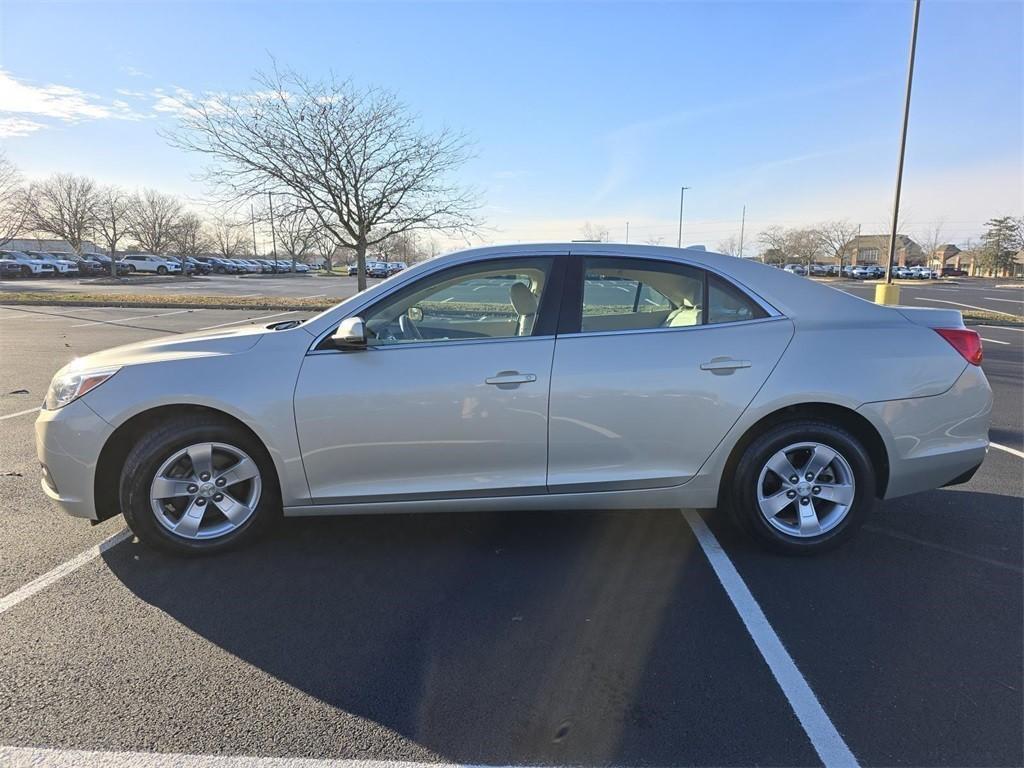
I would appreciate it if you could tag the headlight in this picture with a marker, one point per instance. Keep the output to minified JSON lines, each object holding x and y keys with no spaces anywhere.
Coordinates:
{"x":70,"y":385}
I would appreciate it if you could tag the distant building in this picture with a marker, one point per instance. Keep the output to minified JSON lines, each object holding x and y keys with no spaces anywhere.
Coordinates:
{"x":874,"y":249}
{"x":42,"y":244}
{"x":947,"y":255}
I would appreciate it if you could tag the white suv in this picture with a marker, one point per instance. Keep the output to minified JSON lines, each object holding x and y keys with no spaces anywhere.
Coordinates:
{"x":63,"y":267}
{"x":29,"y":265}
{"x":147,"y":262}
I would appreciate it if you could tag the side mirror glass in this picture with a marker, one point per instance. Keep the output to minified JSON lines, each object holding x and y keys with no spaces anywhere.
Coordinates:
{"x":415,"y":314}
{"x":351,"y":334}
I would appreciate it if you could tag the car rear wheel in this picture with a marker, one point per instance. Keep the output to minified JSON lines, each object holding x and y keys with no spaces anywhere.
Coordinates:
{"x":192,"y":486}
{"x":803,"y":487}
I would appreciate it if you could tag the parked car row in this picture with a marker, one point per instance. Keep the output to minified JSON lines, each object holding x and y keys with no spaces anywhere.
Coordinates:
{"x":378,"y":268}
{"x":238,"y":266}
{"x":872,"y":271}
{"x":54,"y":264}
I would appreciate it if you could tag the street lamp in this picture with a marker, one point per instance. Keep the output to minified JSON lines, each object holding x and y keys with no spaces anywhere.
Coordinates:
{"x":679,"y":239}
{"x":887,"y":293}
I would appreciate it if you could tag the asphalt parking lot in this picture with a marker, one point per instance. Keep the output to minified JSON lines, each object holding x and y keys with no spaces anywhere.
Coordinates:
{"x":567,"y":638}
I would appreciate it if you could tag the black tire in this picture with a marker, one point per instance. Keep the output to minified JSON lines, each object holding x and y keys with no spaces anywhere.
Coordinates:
{"x":131,"y":269}
{"x":161,"y":270}
{"x":742,"y":496}
{"x":26,"y":271}
{"x":160,"y":443}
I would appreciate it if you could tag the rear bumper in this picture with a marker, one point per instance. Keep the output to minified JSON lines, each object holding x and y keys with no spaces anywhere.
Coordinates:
{"x":934,"y":441}
{"x":68,"y":444}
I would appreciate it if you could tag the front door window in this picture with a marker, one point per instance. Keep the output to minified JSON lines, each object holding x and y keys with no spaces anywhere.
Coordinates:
{"x":484,"y":300}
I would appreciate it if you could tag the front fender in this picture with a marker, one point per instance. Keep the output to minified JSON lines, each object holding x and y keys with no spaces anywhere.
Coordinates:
{"x":255,"y":386}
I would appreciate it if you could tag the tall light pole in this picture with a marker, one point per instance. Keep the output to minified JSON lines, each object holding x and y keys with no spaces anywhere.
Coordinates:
{"x":679,"y":239}
{"x":252,"y":218}
{"x":887,"y":293}
{"x":743,"y":224}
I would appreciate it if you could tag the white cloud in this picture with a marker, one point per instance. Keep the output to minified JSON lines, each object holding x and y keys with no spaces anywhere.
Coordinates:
{"x":55,"y":102}
{"x":11,"y":127}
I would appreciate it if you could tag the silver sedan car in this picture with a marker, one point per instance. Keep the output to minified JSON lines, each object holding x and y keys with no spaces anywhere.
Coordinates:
{"x":562,"y":376}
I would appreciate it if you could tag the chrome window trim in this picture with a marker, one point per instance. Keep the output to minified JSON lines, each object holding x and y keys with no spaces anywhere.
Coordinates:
{"x":425,"y":344}
{"x":677,"y":329}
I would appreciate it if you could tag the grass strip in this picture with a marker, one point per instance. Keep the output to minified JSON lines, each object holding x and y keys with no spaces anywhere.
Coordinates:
{"x":157,"y":301}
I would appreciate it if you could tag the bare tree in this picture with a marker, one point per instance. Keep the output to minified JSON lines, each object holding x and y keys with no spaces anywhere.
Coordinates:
{"x":229,"y":237}
{"x":64,"y":205}
{"x":152,"y":219}
{"x":324,"y":246}
{"x":836,"y":238}
{"x":356,"y":158}
{"x":110,"y":220}
{"x":188,"y":237}
{"x":15,"y":201}
{"x":930,"y":239}
{"x":655,"y":240}
{"x":730,"y":246}
{"x":595,"y":232}
{"x":775,"y":242}
{"x":295,"y":228}
{"x":804,"y":244}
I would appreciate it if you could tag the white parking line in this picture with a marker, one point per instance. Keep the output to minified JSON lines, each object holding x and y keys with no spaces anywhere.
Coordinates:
{"x":993,"y":341}
{"x":969,"y":306}
{"x":1001,"y":327}
{"x":34,"y":757}
{"x":247,"y":320}
{"x":1008,"y":449}
{"x":49,"y":317}
{"x":816,"y":724}
{"x":137,"y":317}
{"x":314,"y":296}
{"x":21,"y":413}
{"x":40,"y":583}
{"x":1008,"y":301}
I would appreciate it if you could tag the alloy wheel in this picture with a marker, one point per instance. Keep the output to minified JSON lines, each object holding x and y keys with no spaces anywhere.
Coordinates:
{"x":205,"y":491}
{"x":806,"y":489}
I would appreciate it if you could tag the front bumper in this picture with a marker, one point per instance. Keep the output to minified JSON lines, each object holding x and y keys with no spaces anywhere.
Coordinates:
{"x":933,"y":441}
{"x":68,"y":444}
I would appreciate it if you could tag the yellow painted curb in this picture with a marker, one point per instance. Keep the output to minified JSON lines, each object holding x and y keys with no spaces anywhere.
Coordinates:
{"x":887,"y":294}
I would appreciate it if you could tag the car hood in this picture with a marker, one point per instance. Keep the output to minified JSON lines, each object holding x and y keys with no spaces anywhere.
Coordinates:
{"x":187,"y":345}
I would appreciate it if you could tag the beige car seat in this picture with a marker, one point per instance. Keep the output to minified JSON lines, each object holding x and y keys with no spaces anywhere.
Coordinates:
{"x":524,"y":302}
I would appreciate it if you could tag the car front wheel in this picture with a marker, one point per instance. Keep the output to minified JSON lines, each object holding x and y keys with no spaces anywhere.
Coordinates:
{"x":193,"y":486}
{"x":803,"y":487}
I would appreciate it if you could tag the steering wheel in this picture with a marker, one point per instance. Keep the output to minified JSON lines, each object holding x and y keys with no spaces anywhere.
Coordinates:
{"x":409,"y":329}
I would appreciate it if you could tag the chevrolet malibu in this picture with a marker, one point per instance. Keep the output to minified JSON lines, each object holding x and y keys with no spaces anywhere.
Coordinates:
{"x":579,"y":376}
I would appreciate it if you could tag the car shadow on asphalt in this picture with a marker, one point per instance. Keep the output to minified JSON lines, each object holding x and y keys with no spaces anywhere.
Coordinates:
{"x":569,"y":638}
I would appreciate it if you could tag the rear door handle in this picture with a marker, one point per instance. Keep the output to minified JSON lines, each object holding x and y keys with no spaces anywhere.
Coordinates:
{"x":724,"y":364}
{"x":510,"y":378}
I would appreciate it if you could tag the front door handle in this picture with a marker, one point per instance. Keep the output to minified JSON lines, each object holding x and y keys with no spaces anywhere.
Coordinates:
{"x":510,"y":378}
{"x":724,"y":365}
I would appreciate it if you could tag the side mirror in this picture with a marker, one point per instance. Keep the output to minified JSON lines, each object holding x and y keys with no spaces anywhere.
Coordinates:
{"x":351,"y":334}
{"x":415,"y":314}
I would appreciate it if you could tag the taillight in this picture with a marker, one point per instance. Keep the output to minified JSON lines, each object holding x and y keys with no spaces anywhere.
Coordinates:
{"x":964,"y":341}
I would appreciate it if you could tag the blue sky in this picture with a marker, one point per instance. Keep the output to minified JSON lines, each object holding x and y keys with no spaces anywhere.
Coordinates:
{"x":580,"y":112}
